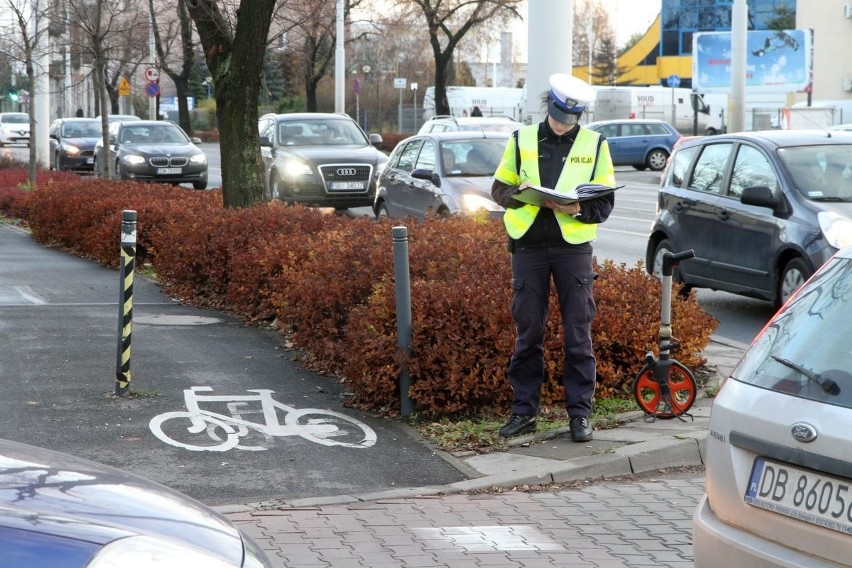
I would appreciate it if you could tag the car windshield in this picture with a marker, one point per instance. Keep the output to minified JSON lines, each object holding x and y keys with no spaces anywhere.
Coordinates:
{"x":320,"y":132}
{"x":821,"y":173}
{"x":16,"y":119}
{"x":472,"y":158}
{"x":81,"y":129}
{"x":153,"y":134}
{"x":805,"y":350}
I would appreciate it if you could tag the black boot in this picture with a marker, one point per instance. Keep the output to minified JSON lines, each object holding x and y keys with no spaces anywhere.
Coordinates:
{"x":518,"y":424}
{"x":581,"y":428}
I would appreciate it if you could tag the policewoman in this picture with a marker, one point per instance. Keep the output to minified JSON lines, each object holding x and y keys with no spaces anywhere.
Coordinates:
{"x":554,"y":242}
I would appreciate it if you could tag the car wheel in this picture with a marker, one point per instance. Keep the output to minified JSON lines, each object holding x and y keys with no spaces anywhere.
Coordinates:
{"x":118,"y":174}
{"x":656,"y":159}
{"x":795,"y":273}
{"x":710,"y":132}
{"x":382,"y":211}
{"x":199,"y":184}
{"x":276,"y":186}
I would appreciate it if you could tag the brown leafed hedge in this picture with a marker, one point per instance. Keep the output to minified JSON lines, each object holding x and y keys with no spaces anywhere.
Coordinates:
{"x":328,"y":282}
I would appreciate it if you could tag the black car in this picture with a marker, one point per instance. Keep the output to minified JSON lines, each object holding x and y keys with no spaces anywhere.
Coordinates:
{"x":322,"y":159}
{"x":762,"y":210}
{"x":442,"y":173}
{"x":61,"y":511}
{"x":154,"y":150}
{"x":72,"y":143}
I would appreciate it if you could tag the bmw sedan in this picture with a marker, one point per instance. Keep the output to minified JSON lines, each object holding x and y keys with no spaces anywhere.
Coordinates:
{"x":761,"y":210}
{"x":642,"y":144}
{"x":155,"y":151}
{"x":321,"y":159}
{"x":779,"y":454}
{"x":442,"y":173}
{"x":72,"y":143}
{"x":60,"y":511}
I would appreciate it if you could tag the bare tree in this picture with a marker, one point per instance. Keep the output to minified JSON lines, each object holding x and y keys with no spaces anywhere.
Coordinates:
{"x":107,"y":28}
{"x":234,"y":50}
{"x":447,"y":22}
{"x":30,"y":26}
{"x":178,"y":36}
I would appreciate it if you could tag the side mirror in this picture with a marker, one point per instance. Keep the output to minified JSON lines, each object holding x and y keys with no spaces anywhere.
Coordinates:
{"x":761,"y":196}
{"x":196,"y":140}
{"x":376,"y":139}
{"x":265,"y":141}
{"x":428,"y":175}
{"x":54,"y":136}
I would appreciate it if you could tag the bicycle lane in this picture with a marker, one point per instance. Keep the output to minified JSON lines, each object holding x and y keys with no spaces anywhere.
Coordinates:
{"x":58,"y":350}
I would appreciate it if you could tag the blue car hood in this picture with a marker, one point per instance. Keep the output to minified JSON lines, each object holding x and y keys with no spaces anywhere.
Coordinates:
{"x":42,"y":481}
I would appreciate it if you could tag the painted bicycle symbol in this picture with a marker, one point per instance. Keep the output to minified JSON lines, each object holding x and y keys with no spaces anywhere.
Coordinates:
{"x":201,"y":430}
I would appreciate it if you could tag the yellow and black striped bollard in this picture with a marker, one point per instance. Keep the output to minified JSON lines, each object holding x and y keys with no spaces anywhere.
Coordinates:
{"x":125,"y":302}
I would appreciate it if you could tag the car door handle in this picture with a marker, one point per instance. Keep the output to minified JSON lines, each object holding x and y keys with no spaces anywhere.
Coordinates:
{"x":722,"y":214}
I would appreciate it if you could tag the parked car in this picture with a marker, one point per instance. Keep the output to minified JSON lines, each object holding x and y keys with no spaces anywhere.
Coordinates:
{"x":322,"y":159}
{"x":761,"y":210}
{"x":14,"y":128}
{"x":154,"y":150}
{"x":442,"y":123}
{"x":61,"y":511}
{"x":778,"y":457}
{"x":72,"y":143}
{"x":443,"y":173}
{"x":639,"y":143}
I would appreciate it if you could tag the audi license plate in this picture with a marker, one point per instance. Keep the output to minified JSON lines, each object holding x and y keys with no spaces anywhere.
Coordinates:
{"x":346,"y":185}
{"x":802,"y":494}
{"x":168,"y":171}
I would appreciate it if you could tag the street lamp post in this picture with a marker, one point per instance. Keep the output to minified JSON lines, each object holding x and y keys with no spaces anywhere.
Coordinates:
{"x":414,"y":88}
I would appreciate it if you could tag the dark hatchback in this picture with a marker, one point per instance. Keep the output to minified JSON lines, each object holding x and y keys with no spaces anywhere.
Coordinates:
{"x":321,"y":159}
{"x":72,"y":143}
{"x":156,"y":151}
{"x":60,"y":511}
{"x":441,"y":173}
{"x":762,"y":210}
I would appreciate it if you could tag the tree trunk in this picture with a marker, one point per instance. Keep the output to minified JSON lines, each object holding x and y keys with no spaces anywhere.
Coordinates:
{"x":236,"y":63}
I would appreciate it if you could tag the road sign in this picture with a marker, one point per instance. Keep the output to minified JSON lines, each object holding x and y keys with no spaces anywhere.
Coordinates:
{"x":399,"y":83}
{"x":123,"y":87}
{"x":152,"y":89}
{"x":674,"y":81}
{"x":152,"y":74}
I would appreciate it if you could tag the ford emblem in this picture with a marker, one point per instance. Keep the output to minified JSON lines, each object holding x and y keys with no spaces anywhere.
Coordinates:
{"x":346,"y":171}
{"x":803,"y":432}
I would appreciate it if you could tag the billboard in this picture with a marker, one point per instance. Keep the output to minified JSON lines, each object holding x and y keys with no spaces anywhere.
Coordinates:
{"x":777,"y":61}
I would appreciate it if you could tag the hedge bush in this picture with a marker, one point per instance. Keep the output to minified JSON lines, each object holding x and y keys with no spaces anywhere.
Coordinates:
{"x":327,"y":281}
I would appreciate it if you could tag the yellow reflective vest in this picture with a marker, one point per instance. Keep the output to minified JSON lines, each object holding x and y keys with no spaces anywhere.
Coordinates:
{"x":588,"y":160}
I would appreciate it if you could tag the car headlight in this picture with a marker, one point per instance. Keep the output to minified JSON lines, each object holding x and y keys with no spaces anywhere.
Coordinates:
{"x":474,"y":202}
{"x":71,"y":150}
{"x":151,"y":551}
{"x":836,"y":228}
{"x":296,"y":168}
{"x":134,"y":159}
{"x":198,"y":159}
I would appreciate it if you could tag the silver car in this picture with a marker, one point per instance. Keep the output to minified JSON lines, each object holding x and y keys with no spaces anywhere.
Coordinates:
{"x":779,"y":453}
{"x":14,"y":128}
{"x":444,"y":174}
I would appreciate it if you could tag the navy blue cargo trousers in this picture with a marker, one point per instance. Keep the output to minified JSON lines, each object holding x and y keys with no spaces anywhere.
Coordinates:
{"x":572,"y":272}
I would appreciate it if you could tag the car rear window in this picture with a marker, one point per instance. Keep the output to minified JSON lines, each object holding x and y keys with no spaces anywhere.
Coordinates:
{"x":805,"y":350}
{"x":710,"y":168}
{"x":680,"y":165}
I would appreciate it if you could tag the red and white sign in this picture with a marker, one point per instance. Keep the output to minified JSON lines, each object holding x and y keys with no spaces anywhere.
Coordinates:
{"x":152,"y":74}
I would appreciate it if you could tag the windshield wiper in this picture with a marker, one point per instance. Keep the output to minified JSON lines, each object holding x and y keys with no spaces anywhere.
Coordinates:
{"x":828,"y":385}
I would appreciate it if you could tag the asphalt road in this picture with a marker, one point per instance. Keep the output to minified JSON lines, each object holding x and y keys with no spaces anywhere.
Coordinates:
{"x":58,"y":359}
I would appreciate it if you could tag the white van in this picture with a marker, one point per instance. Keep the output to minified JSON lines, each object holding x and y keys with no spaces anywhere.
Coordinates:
{"x":660,"y":103}
{"x":842,"y":108}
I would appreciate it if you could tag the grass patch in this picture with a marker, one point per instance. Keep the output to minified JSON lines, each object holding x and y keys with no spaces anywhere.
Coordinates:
{"x":479,"y":433}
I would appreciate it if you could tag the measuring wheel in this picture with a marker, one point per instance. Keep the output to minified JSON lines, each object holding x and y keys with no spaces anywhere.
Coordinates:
{"x":652,"y":398}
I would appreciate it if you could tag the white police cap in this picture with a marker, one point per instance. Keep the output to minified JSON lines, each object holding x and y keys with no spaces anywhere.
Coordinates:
{"x":568,"y":97}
